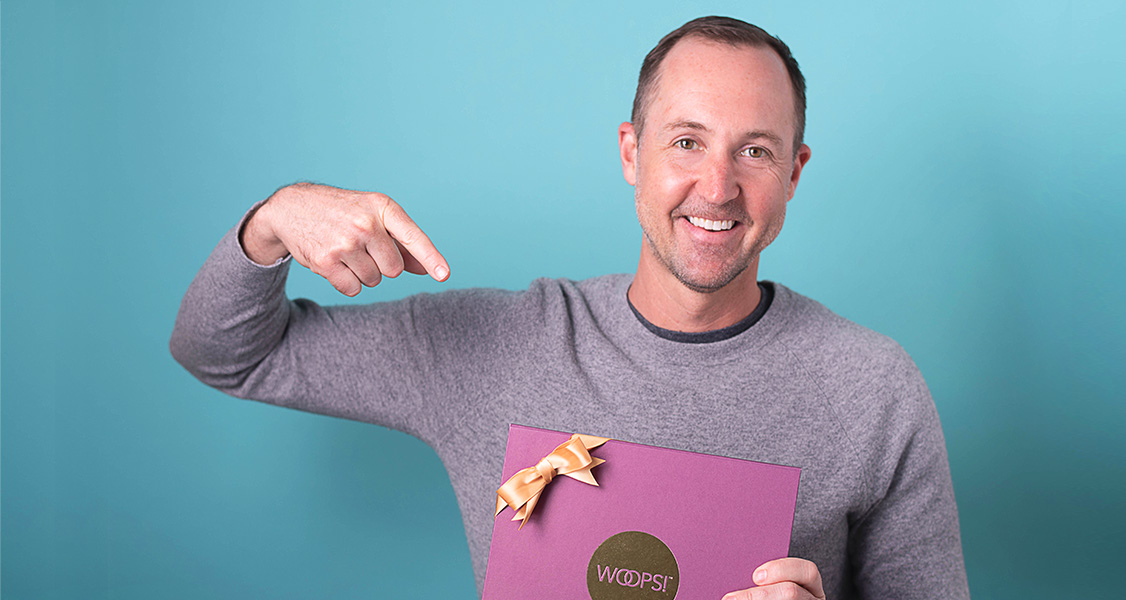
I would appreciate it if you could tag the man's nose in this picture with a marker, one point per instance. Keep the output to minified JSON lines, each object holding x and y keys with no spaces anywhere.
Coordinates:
{"x":717,"y":182}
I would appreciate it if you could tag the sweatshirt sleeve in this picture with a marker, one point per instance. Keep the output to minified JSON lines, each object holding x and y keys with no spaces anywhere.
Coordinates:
{"x":907,"y":544}
{"x":381,"y":363}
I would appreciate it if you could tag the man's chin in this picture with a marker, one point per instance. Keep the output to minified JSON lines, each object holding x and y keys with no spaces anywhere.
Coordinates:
{"x":701,"y":284}
{"x":701,"y":289}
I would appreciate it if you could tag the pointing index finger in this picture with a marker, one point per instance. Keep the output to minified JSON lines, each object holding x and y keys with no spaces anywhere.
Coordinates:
{"x":405,"y":231}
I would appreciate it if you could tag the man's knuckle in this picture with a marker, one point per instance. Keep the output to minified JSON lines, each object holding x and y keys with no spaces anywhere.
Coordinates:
{"x":411,"y":236}
{"x":382,"y":202}
{"x":393,"y":214}
{"x":788,"y":590}
{"x":344,"y":244}
{"x":364,"y":222}
{"x":325,"y":260}
{"x":392,"y":264}
{"x":809,"y":572}
{"x":319,"y":263}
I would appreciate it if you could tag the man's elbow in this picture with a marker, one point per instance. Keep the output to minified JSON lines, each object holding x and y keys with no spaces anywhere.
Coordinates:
{"x":195,"y":357}
{"x":181,"y":348}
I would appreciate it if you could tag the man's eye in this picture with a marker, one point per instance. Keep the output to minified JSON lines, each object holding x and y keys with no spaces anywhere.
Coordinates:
{"x":686,"y":144}
{"x":755,"y":152}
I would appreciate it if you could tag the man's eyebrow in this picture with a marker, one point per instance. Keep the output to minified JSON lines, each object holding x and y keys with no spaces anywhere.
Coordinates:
{"x":765,"y":135}
{"x":750,"y":135}
{"x":686,"y":125}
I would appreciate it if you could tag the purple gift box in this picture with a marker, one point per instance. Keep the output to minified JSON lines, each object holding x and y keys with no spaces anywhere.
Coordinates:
{"x":660,"y":524}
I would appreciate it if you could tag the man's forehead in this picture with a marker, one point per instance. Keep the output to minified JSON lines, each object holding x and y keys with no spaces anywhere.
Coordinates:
{"x":702,"y":84}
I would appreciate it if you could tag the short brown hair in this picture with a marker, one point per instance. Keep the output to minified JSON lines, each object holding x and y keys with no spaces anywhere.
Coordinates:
{"x":729,"y":31}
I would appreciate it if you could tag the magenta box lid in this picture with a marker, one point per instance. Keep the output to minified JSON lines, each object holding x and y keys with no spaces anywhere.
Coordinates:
{"x":720,"y":518}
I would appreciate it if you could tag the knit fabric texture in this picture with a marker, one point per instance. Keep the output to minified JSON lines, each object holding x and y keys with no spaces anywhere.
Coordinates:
{"x":801,"y":387}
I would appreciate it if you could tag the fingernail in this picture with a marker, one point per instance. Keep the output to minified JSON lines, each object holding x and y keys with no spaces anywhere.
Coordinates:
{"x":760,"y":576}
{"x":441,"y":272}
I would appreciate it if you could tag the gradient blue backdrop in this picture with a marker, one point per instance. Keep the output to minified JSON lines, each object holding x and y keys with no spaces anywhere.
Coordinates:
{"x":963,"y":196}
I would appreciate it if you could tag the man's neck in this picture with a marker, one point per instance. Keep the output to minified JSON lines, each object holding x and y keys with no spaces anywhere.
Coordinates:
{"x":667,"y":303}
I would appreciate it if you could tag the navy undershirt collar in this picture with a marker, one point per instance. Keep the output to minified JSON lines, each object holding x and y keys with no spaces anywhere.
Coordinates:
{"x":715,"y":335}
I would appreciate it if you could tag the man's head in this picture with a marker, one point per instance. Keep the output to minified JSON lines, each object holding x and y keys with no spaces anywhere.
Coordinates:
{"x":721,"y":30}
{"x":717,"y":159}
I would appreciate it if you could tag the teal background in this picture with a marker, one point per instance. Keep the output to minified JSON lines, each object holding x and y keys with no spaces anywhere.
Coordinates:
{"x":963,"y":196}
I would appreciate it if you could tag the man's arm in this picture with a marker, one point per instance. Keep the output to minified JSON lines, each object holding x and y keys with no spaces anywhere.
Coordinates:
{"x":237,"y":332}
{"x":908,"y":544}
{"x":903,"y":539}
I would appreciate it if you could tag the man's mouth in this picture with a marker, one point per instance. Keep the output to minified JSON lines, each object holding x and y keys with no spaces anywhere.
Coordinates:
{"x":711,"y":225}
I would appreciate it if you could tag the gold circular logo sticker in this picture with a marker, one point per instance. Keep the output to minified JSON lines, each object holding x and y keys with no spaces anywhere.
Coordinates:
{"x":632,"y":565}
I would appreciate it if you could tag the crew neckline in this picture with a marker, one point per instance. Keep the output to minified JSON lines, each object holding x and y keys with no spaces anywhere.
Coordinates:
{"x":716,"y":335}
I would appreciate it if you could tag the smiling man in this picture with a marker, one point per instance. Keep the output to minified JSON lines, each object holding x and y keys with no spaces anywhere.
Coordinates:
{"x":714,"y":154}
{"x":714,"y":150}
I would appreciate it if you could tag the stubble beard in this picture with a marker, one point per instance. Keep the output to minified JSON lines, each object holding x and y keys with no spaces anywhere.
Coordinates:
{"x":700,"y":282}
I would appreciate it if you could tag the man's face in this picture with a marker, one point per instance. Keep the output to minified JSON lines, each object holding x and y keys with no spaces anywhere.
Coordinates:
{"x":715,"y":164}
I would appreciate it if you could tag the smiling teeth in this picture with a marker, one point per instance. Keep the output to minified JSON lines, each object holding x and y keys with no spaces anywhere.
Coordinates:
{"x":711,"y":225}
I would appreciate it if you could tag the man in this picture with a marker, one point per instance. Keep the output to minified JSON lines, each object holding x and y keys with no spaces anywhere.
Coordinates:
{"x":692,"y":352}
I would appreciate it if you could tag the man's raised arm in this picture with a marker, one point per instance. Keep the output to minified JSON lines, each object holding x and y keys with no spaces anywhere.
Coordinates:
{"x":236,"y":330}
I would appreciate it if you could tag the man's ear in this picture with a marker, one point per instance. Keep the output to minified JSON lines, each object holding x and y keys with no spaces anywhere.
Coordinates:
{"x":800,"y":159}
{"x":627,"y":146}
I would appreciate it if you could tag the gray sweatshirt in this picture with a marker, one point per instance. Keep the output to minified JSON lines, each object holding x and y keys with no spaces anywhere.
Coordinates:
{"x":802,"y":387}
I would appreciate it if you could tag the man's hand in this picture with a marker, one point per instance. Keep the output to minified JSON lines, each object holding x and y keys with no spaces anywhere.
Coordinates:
{"x":349,"y":238}
{"x":785,"y":578}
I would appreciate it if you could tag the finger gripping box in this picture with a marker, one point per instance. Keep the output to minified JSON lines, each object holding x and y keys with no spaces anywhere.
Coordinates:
{"x":652,"y":523}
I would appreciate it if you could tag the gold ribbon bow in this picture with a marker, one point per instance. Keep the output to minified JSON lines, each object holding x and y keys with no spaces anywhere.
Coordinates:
{"x":571,"y":458}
